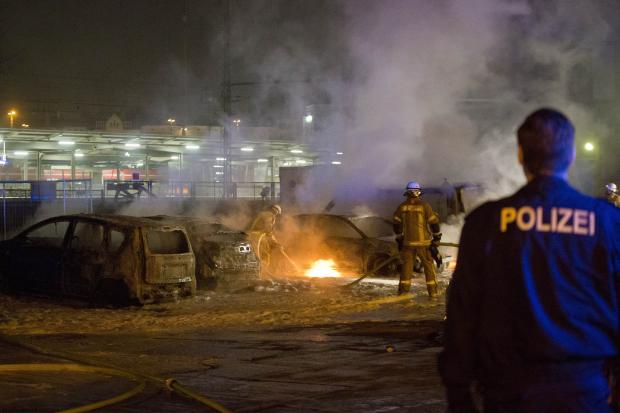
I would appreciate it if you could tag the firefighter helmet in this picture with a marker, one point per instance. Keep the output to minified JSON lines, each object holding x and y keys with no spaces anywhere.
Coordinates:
{"x":277,"y":209}
{"x":611,"y":187}
{"x":413,"y":185}
{"x":413,"y":188}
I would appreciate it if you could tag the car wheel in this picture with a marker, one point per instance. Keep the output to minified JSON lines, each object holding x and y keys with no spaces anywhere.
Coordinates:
{"x":378,"y":260}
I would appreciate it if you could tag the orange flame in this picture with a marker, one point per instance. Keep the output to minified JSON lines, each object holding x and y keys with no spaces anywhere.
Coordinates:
{"x":322,"y":269}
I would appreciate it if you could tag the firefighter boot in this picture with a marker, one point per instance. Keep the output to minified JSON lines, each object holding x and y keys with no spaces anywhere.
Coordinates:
{"x":432,"y":289}
{"x":404,"y":287}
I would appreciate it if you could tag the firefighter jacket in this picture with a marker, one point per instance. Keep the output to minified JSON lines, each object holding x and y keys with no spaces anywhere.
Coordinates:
{"x":264,"y":222}
{"x":535,"y":291}
{"x":412,"y":218}
{"x":614,"y":199}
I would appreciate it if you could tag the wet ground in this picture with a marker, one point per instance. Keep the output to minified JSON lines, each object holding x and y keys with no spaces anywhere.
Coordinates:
{"x":286,"y":347}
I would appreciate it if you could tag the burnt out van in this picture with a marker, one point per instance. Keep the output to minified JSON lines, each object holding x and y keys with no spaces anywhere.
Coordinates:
{"x":103,"y":258}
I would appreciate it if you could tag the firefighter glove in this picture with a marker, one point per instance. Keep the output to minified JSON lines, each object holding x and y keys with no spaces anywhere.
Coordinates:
{"x":399,"y":242}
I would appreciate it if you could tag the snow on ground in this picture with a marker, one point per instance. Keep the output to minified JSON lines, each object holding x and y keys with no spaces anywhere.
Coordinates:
{"x":271,"y":304}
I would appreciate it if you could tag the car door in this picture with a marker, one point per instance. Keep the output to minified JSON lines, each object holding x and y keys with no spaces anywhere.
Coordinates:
{"x":85,"y":258}
{"x":35,"y":261}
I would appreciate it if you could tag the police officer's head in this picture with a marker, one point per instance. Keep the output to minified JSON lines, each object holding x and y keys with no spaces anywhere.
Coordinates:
{"x":546,"y":143}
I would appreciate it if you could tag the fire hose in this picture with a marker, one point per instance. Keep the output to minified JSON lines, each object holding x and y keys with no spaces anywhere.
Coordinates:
{"x":81,"y":368}
{"x":86,"y":366}
{"x":388,"y":261}
{"x":373,"y":271}
{"x":284,"y":254}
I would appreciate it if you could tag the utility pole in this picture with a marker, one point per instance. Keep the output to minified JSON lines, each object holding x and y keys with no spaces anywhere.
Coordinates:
{"x":227,"y":105}
{"x":184,"y":19}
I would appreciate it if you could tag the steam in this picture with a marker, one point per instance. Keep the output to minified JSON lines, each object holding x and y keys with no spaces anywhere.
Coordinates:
{"x":419,"y":60}
{"x":440,"y":87}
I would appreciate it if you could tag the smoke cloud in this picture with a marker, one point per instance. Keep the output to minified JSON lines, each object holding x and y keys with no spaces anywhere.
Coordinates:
{"x":443,"y":85}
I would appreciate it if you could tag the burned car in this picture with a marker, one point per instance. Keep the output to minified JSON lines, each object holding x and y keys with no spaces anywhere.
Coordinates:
{"x":224,"y":257}
{"x":356,"y":244}
{"x":104,"y":258}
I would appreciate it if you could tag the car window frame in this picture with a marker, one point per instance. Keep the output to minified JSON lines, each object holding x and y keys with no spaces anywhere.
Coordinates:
{"x":22,"y":237}
{"x":108,"y":238}
{"x":73,"y":227}
{"x":145,"y":231}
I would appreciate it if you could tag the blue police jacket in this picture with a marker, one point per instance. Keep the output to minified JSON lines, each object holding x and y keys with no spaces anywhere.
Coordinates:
{"x":535,"y":290}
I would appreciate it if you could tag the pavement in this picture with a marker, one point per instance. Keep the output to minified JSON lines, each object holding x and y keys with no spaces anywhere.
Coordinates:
{"x":355,"y":367}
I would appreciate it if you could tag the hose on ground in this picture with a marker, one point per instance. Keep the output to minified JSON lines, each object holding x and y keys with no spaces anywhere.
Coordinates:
{"x":373,"y":271}
{"x":81,"y":368}
{"x":88,"y":365}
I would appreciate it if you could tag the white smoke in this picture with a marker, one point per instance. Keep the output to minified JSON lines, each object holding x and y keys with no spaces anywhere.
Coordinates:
{"x":443,"y":85}
{"x":418,"y":60}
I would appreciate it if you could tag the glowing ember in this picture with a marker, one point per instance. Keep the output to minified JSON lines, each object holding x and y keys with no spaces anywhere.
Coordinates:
{"x":322,"y":269}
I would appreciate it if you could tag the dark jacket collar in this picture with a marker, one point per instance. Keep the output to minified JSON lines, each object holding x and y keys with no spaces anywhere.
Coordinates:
{"x":545,"y":184}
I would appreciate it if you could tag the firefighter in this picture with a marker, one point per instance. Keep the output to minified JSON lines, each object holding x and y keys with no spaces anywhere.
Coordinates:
{"x":612,"y":194}
{"x":416,"y":227}
{"x":261,"y":234}
{"x":533,"y":305}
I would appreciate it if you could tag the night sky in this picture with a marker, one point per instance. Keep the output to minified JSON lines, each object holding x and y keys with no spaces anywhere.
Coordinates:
{"x":141,"y":53}
{"x":403,"y":71}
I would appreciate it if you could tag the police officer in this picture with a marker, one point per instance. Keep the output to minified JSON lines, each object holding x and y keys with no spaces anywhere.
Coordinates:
{"x":612,"y":194}
{"x":412,"y":221}
{"x":261,"y":233}
{"x":533,"y":306}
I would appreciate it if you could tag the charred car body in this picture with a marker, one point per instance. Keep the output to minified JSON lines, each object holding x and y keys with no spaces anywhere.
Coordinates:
{"x":357,"y":244}
{"x":100,"y":257}
{"x":224,"y":257}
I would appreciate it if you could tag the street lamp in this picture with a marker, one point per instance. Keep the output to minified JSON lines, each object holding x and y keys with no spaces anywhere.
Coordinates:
{"x":589,"y":146}
{"x":12,"y":113}
{"x":171,"y":122}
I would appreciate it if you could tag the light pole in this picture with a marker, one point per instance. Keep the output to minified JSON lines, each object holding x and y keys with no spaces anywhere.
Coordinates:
{"x":171,"y":122}
{"x":12,"y":113}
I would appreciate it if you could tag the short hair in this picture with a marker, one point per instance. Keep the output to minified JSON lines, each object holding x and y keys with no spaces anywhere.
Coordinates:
{"x":547,"y":140}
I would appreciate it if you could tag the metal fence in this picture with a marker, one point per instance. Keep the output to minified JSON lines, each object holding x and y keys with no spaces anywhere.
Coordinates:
{"x":189,"y":189}
{"x":24,"y":202}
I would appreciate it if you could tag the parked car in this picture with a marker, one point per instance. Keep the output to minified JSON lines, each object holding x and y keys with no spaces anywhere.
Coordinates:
{"x":224,"y":257}
{"x":356,"y":244}
{"x":100,"y":257}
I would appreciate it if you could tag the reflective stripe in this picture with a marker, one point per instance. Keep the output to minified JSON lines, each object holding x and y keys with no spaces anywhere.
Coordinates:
{"x":423,"y":243}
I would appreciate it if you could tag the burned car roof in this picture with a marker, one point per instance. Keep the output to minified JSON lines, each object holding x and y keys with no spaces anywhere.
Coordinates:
{"x":206,"y":226}
{"x":118,"y":220}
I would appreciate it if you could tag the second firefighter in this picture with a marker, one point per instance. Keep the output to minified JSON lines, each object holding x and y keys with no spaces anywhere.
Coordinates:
{"x":417,"y":227}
